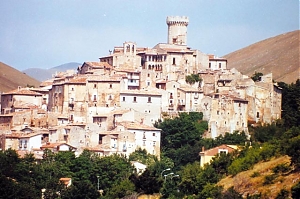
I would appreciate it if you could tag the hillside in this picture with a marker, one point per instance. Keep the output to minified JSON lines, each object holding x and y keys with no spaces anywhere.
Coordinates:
{"x":279,"y":55}
{"x":11,"y":78}
{"x":45,"y":74}
{"x":252,"y":181}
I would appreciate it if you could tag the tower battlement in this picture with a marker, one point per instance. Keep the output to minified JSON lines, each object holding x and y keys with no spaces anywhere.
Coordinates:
{"x":172,"y":20}
{"x":177,"y":29}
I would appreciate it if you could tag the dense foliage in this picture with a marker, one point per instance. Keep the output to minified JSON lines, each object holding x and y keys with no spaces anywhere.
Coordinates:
{"x":193,"y":78}
{"x":291,"y":103}
{"x":256,"y":76}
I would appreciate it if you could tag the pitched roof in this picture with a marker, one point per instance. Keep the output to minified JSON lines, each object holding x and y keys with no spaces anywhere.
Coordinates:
{"x":214,"y":151}
{"x":138,"y":126}
{"x":55,"y":145}
{"x":22,"y":91}
{"x":99,"y":65}
{"x":142,"y":92}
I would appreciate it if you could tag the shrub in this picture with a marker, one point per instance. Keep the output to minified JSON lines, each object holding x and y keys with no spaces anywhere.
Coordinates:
{"x":269,"y":179}
{"x":255,"y":174}
{"x":283,"y":194}
{"x":281,"y":168}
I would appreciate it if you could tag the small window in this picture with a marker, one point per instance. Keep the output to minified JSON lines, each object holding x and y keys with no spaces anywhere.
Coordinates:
{"x":153,"y":134}
{"x":95,"y":98}
{"x":110,"y":85}
{"x":95,"y":85}
{"x":174,"y":62}
{"x":72,"y":89}
{"x":257,"y":114}
{"x":149,"y":99}
{"x":209,"y":65}
{"x":134,"y":99}
{"x":148,"y":75}
{"x":220,"y":65}
{"x":123,"y":99}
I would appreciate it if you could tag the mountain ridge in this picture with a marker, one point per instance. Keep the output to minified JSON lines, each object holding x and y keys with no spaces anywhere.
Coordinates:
{"x":45,"y":74}
{"x":11,"y":78}
{"x":279,"y":55}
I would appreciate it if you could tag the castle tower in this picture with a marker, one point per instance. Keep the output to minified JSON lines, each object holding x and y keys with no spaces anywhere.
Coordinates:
{"x":177,"y":30}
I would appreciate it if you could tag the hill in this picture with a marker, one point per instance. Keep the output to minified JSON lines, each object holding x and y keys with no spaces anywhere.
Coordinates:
{"x":252,"y":181}
{"x":45,"y":74}
{"x":279,"y":55}
{"x":11,"y":78}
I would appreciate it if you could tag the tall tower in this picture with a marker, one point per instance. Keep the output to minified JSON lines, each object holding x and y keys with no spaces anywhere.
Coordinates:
{"x":177,"y":30}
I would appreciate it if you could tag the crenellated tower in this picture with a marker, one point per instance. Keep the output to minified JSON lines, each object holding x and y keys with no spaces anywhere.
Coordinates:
{"x":177,"y":30}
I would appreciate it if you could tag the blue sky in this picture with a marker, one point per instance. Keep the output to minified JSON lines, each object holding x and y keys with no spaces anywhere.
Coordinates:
{"x":44,"y":34}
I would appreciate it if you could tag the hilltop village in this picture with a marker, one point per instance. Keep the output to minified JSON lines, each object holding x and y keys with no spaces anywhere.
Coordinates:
{"x":110,"y":106}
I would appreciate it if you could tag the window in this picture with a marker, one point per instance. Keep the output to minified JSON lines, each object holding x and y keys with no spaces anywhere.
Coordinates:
{"x":149,"y":99}
{"x":109,"y":97}
{"x":219,"y":65}
{"x":134,"y":99}
{"x":257,"y":114}
{"x":153,"y":143}
{"x":148,"y":75}
{"x":95,"y":98}
{"x":174,"y":62}
{"x":123,"y":99}
{"x":110,"y":85}
{"x":72,"y":89}
{"x":144,"y":135}
{"x":209,"y":66}
{"x":153,"y":134}
{"x":95,"y":85}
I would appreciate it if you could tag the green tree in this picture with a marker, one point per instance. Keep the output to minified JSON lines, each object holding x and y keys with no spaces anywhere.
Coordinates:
{"x":210,"y":191}
{"x":256,"y":76}
{"x":290,"y":103}
{"x":81,"y":190}
{"x":181,"y":137}
{"x":193,"y":78}
{"x":147,"y":182}
{"x":293,"y":150}
{"x":143,"y":157}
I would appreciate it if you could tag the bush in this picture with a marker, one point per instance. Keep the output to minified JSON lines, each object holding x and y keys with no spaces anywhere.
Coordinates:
{"x":255,"y":174}
{"x":281,"y":168}
{"x":269,"y":179}
{"x":283,"y":194}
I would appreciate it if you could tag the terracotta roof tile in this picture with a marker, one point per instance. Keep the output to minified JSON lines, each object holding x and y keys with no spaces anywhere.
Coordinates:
{"x":135,"y":125}
{"x":22,"y":91}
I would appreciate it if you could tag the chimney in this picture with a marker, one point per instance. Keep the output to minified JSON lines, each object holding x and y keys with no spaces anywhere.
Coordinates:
{"x":203,"y":149}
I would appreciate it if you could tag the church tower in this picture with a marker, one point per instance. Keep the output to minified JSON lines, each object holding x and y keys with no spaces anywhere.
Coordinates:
{"x":177,"y":30}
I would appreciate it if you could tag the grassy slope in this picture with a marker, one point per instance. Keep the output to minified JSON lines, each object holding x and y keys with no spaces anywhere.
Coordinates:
{"x":244,"y":183}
